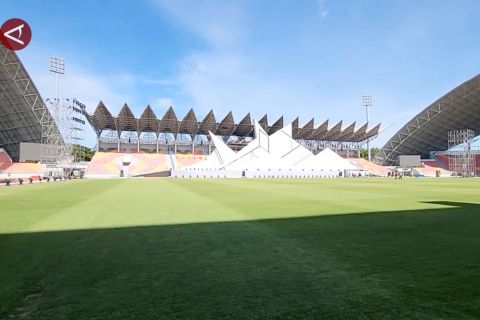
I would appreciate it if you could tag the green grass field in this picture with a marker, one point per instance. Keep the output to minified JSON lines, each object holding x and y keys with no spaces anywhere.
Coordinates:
{"x":241,"y":249}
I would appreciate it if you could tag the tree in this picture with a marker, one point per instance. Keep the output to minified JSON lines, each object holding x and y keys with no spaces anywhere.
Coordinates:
{"x":364,"y":152}
{"x":82,"y":153}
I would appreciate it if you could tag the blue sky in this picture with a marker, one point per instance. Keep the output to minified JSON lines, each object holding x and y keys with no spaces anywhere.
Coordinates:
{"x":306,"y":58}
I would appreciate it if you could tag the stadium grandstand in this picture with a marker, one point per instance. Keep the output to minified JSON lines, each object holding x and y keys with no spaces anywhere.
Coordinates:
{"x":115,"y":164}
{"x":24,"y":116}
{"x":148,"y":145}
{"x":218,"y":155}
{"x":169,"y":134}
{"x":32,"y":139}
{"x":427,"y":134}
{"x":188,"y":144}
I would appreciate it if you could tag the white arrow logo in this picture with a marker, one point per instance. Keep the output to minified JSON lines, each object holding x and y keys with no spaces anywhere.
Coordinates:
{"x":19,"y":29}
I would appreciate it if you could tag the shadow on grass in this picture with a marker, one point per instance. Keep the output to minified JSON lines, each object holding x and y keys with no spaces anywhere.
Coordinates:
{"x":387,"y":265}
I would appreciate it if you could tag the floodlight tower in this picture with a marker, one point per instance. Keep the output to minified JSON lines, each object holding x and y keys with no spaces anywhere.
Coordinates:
{"x":367,"y":102}
{"x":63,"y":152}
{"x":57,"y":66}
{"x":51,"y":142}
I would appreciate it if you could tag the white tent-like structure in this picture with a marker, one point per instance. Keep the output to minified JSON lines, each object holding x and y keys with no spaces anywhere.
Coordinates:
{"x":327,"y":160}
{"x":275,"y":156}
{"x":282,"y":145}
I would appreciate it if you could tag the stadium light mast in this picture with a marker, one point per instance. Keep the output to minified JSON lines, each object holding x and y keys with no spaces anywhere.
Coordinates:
{"x":367,"y":102}
{"x":57,"y":66}
{"x":61,"y":146}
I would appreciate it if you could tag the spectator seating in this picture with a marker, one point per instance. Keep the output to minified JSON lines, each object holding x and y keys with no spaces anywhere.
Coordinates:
{"x":372,"y":168}
{"x":442,"y":161}
{"x":25,"y":168}
{"x":109,"y":164}
{"x":434,"y":163}
{"x":5,"y":160}
{"x":14,"y":170}
{"x":430,"y":171}
{"x":143,"y":163}
{"x":185,"y":160}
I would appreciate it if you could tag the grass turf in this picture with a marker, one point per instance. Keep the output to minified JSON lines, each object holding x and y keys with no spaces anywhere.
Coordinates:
{"x":241,"y":249}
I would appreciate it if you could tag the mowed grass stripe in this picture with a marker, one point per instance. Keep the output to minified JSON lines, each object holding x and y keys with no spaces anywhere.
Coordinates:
{"x":241,"y":249}
{"x":117,"y":203}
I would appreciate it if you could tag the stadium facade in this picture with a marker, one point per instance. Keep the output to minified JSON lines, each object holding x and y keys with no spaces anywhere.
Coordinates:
{"x":265,"y":156}
{"x":25,"y":118}
{"x":148,"y":133}
{"x":427,"y":132}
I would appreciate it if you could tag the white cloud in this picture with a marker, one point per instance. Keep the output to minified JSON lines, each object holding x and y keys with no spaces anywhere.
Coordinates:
{"x":230,"y":75}
{"x":220,"y":23}
{"x":322,"y":8}
{"x":224,"y":76}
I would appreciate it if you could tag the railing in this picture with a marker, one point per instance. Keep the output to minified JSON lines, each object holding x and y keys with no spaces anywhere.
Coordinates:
{"x":170,"y":142}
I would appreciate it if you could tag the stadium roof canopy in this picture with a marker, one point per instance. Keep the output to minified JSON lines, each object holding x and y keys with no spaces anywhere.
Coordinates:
{"x":428,"y":131}
{"x":102,"y":119}
{"x":22,"y":109}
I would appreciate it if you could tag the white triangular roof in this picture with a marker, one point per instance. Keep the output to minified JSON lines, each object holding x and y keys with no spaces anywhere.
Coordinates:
{"x":257,"y":148}
{"x":326,"y":160}
{"x":285,"y":147}
{"x":223,"y":152}
{"x":278,"y":151}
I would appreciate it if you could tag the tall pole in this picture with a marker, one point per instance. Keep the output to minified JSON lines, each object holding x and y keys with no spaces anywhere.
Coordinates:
{"x":367,"y":102}
{"x":57,"y":86}
{"x":57,"y":66}
{"x":57,"y":100}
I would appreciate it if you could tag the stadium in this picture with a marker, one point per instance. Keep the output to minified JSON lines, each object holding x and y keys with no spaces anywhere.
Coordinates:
{"x":203,"y":215}
{"x":34,"y":146}
{"x":149,"y":146}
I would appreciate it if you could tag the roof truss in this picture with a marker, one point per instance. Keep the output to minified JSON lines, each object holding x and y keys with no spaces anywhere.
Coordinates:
{"x":169,"y":123}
